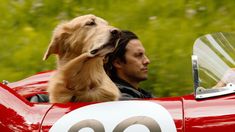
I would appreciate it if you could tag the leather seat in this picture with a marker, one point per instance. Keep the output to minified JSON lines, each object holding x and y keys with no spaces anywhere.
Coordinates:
{"x":40,"y":98}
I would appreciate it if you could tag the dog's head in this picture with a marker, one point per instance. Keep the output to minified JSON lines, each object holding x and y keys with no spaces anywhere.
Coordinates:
{"x":86,"y":33}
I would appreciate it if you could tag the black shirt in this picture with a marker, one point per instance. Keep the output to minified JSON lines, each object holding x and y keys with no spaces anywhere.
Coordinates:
{"x":129,"y":92}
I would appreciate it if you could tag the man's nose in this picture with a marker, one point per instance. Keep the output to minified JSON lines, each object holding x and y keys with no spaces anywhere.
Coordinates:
{"x":146,"y":60}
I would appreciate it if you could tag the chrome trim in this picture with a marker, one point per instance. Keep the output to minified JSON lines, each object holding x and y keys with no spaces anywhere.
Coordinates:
{"x":5,"y":82}
{"x":203,"y":93}
{"x":196,"y":82}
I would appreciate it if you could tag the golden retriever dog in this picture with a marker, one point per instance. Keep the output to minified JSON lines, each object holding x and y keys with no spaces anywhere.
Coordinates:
{"x":80,"y":46}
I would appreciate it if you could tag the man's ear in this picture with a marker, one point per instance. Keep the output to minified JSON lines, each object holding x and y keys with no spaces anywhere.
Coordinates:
{"x":56,"y":45}
{"x":117,"y":63}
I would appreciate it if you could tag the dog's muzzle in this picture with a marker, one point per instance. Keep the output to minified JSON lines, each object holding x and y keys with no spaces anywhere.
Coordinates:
{"x":112,"y":43}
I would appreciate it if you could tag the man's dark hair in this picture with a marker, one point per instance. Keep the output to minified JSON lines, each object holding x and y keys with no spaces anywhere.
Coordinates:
{"x":118,"y":53}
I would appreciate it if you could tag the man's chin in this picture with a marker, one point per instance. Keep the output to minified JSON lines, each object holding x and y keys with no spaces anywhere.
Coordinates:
{"x":143,"y":78}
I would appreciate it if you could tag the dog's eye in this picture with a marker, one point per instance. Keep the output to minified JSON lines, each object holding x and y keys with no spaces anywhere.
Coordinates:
{"x":90,"y":23}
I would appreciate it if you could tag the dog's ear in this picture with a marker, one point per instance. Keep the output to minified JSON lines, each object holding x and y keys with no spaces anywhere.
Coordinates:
{"x":56,"y":45}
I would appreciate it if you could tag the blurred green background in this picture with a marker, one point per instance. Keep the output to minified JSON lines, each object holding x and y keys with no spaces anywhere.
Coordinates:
{"x":167,"y":29}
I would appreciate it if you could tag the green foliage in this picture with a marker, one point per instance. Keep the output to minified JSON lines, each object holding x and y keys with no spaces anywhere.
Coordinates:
{"x":166,"y":28}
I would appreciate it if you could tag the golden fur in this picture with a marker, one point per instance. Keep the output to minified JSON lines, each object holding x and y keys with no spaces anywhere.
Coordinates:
{"x":81,"y":45}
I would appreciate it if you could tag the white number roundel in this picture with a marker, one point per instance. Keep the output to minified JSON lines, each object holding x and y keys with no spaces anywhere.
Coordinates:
{"x":117,"y":116}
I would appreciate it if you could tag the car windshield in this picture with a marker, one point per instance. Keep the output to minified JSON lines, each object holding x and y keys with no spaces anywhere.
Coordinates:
{"x":216,"y":60}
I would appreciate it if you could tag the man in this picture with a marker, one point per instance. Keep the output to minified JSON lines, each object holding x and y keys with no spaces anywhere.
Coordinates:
{"x":127,"y":66}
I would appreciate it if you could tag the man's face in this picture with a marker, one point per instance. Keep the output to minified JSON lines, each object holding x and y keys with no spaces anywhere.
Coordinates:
{"x":135,"y":67}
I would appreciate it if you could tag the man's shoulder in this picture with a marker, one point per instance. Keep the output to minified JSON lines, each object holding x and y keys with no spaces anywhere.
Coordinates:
{"x":130,"y":92}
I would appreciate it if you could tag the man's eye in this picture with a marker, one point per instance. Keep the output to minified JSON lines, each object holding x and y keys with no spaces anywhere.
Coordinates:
{"x":139,"y":55}
{"x":90,"y":23}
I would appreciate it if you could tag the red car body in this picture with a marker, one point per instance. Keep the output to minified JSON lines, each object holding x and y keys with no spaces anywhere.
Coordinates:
{"x":190,"y":113}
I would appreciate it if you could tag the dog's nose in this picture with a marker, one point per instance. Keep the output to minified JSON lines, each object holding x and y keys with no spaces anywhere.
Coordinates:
{"x":115,"y":32}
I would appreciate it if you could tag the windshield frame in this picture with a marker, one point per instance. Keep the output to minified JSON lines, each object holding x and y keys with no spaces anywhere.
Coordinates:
{"x":213,"y":91}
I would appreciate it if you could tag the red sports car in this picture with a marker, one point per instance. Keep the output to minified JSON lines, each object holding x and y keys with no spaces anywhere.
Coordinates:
{"x":211,"y":108}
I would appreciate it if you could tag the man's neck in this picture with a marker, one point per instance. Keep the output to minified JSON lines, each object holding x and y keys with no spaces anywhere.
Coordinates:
{"x":134,"y":84}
